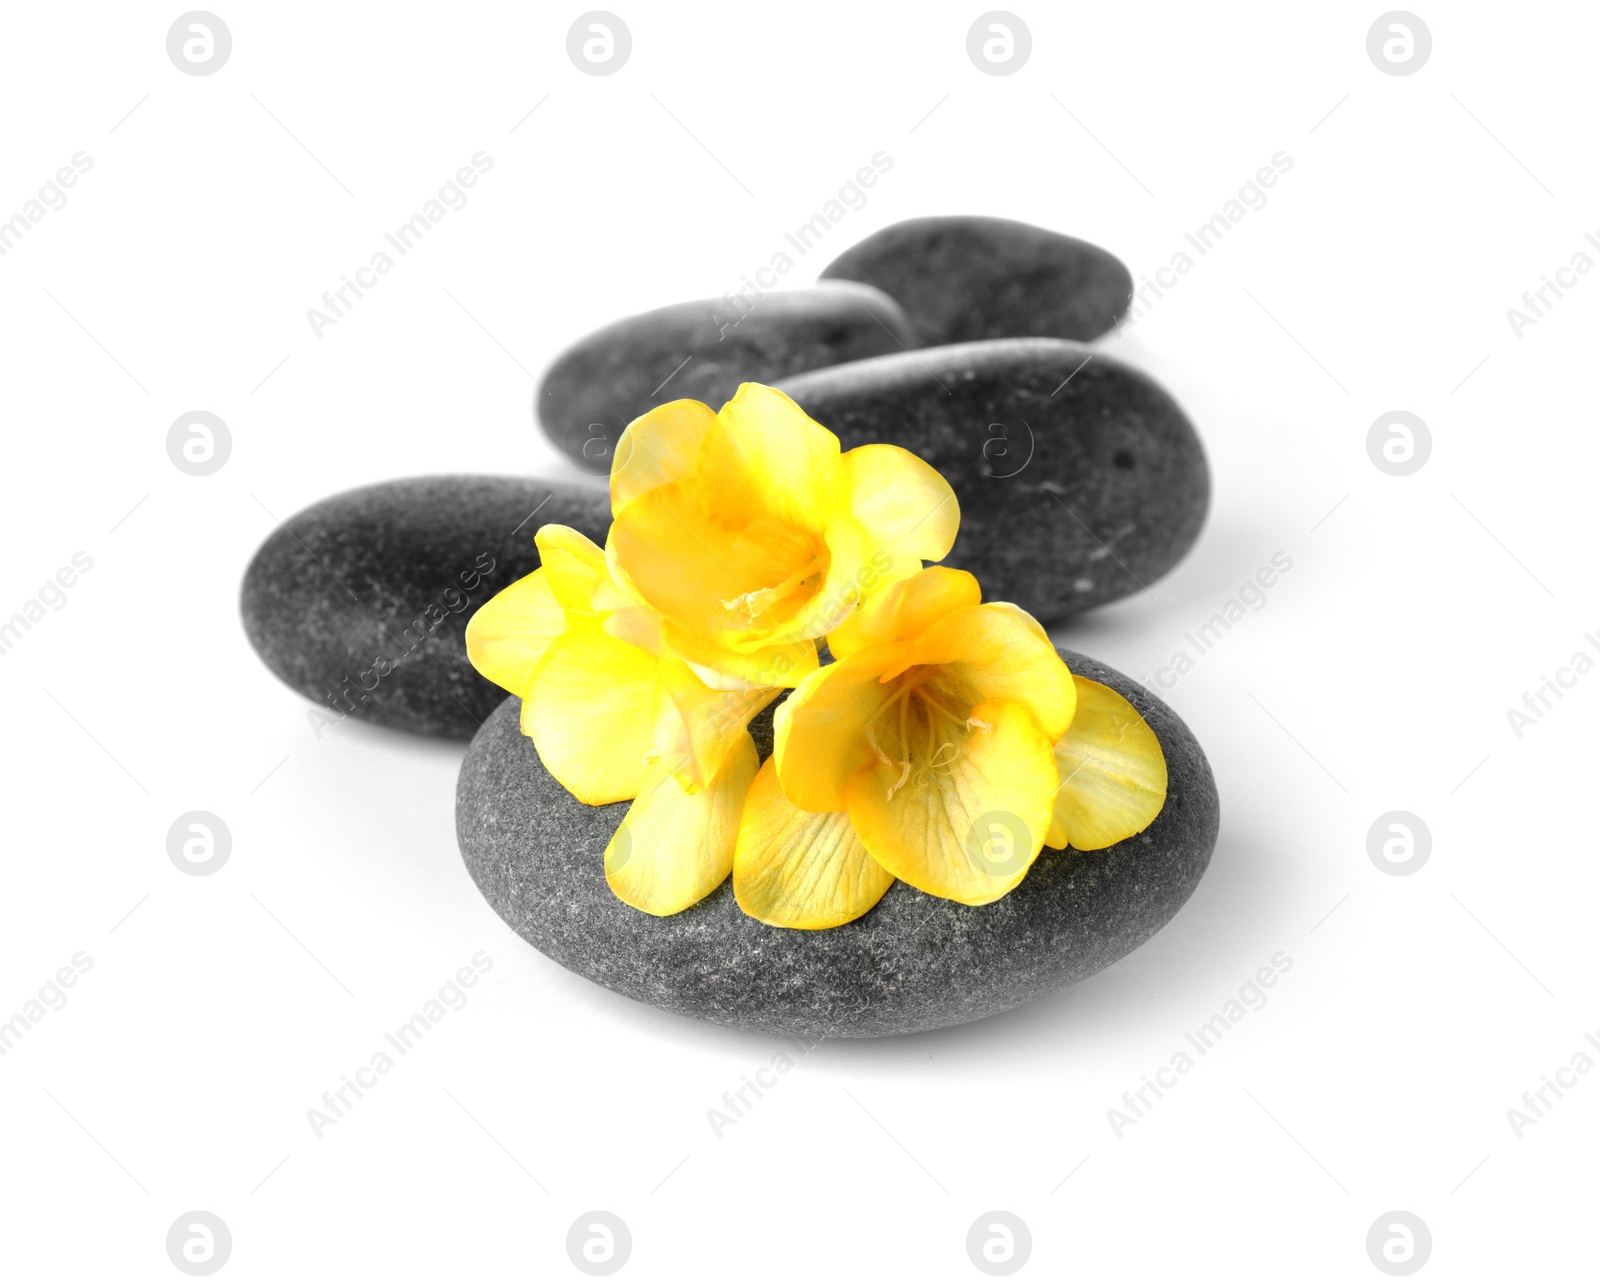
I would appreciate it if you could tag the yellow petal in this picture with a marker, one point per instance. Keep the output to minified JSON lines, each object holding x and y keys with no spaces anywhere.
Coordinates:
{"x":800,"y":870}
{"x":507,"y":638}
{"x":905,"y":609}
{"x":673,"y":849}
{"x":766,"y":457}
{"x":997,"y":652}
{"x":826,"y":730}
{"x":589,"y":712}
{"x":660,"y":447}
{"x":574,"y":565}
{"x":901,"y":500}
{"x":969,"y":828}
{"x":696,"y":727}
{"x":1113,"y":773}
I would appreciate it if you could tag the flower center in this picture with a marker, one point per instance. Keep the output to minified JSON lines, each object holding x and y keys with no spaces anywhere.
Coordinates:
{"x":758,"y":603}
{"x":918,"y":726}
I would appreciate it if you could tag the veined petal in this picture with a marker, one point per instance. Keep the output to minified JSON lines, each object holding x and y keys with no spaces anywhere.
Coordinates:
{"x":588,"y":711}
{"x":695,"y":727}
{"x":901,"y":500}
{"x":673,"y":849}
{"x":573,"y":564}
{"x":970,"y":829}
{"x":998,"y":653}
{"x":797,"y":869}
{"x":1113,"y":773}
{"x":905,"y":609}
{"x":659,"y":447}
{"x":507,"y":638}
{"x":766,"y":457}
{"x":825,"y":730}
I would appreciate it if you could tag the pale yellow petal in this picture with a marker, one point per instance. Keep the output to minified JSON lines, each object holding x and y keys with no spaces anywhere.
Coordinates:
{"x":801,"y":870}
{"x":660,"y":447}
{"x":996,"y":652}
{"x":589,"y":712}
{"x":829,"y":728}
{"x":765,"y":457}
{"x":1113,"y":773}
{"x":968,"y":827}
{"x":508,"y":637}
{"x":696,"y":727}
{"x":674,"y":849}
{"x":574,"y":565}
{"x":902,"y":501}
{"x":904,"y":609}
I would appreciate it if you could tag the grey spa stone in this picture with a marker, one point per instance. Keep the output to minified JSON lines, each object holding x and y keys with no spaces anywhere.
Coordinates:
{"x":360,"y":602}
{"x":912,"y":963}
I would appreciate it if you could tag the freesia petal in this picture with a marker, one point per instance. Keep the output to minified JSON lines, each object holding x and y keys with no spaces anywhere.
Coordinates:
{"x":825,"y":730}
{"x":905,"y":609}
{"x":997,"y":652}
{"x":673,"y":849}
{"x":797,"y":869}
{"x":574,"y":565}
{"x":660,"y":447}
{"x":1113,"y":773}
{"x":901,"y":500}
{"x":589,"y":711}
{"x":507,"y":638}
{"x":766,"y":457}
{"x":696,"y":727}
{"x":969,"y":830}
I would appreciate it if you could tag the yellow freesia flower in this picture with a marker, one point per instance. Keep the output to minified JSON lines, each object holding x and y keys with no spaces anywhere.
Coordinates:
{"x":615,"y":721}
{"x":946,"y":745}
{"x":747,"y":533}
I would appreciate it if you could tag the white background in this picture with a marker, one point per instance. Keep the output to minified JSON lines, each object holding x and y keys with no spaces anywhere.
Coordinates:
{"x":218,"y":1010}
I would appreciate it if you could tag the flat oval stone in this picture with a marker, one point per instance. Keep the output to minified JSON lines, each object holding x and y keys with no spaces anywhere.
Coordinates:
{"x":1080,"y":479}
{"x":913,"y":963}
{"x":705,"y":350}
{"x":968,"y":277}
{"x":360,"y":602}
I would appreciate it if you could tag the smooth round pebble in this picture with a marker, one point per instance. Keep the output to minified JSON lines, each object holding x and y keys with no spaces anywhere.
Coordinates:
{"x":1080,"y":480}
{"x":705,"y":350}
{"x":971,"y":277}
{"x":912,"y":963}
{"x":360,"y":602}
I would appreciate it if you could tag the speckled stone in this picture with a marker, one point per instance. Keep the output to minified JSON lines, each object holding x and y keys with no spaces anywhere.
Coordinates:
{"x":914,"y":962}
{"x":360,"y":602}
{"x":705,"y":350}
{"x":1080,"y":480}
{"x":967,"y":277}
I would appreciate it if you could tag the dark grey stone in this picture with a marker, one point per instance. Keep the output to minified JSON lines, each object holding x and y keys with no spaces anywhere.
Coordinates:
{"x":360,"y":602}
{"x":914,"y":962}
{"x":967,"y":277}
{"x":705,"y":350}
{"x":1080,"y":479}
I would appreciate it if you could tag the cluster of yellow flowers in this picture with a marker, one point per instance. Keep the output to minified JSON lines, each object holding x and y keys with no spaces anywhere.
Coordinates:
{"x":945,"y":744}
